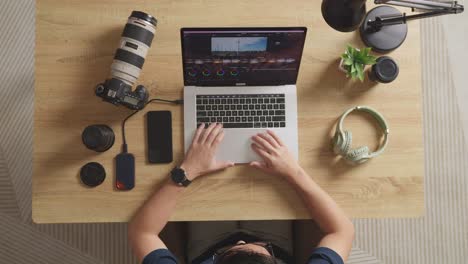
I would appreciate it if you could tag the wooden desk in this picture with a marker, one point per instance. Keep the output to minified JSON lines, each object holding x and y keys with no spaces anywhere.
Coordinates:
{"x":75,"y":43}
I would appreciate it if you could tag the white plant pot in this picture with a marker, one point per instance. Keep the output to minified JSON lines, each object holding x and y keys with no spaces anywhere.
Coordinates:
{"x":341,"y":66}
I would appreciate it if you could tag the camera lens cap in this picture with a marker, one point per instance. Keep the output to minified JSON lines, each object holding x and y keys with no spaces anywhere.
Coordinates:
{"x":92,"y":174}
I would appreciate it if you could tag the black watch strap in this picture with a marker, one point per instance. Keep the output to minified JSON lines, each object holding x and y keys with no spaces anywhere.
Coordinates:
{"x":179,"y":177}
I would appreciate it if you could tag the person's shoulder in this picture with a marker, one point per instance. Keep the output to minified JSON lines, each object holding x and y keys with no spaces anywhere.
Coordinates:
{"x":324,"y":255}
{"x":160,"y":256}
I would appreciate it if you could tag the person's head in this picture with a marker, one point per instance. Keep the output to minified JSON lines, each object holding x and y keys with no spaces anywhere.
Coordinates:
{"x":246,"y":253}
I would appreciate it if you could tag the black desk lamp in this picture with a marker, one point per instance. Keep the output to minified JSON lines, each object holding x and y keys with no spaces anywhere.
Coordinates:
{"x":384,"y":27}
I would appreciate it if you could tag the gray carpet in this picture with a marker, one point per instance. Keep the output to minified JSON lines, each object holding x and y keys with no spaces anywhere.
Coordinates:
{"x":439,"y":237}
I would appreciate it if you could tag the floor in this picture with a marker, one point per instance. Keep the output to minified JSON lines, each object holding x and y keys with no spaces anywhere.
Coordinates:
{"x":441,"y":236}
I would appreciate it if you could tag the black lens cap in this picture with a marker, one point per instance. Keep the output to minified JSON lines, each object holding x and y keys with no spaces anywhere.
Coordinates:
{"x":92,"y":174}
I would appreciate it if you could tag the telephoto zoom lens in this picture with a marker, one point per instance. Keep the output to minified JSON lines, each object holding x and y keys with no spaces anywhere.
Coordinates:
{"x":134,"y":45}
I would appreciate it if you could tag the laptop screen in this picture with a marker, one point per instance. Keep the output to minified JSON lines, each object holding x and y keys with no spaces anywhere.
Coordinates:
{"x":241,"y":56}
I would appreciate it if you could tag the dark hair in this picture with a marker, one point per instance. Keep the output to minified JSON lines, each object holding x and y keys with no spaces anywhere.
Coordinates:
{"x":244,"y":257}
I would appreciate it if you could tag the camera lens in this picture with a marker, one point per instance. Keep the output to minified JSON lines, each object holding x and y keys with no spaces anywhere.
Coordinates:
{"x":136,"y":40}
{"x":129,"y":58}
{"x":144,"y":16}
{"x":98,"y":137}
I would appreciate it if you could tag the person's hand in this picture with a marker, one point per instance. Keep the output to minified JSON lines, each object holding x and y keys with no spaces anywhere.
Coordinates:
{"x":276,"y":157}
{"x":200,"y":158}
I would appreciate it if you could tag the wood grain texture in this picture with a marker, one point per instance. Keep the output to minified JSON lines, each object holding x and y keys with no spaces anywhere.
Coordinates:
{"x":75,"y":43}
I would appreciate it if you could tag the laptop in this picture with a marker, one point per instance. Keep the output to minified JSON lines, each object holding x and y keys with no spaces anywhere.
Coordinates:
{"x":244,"y":78}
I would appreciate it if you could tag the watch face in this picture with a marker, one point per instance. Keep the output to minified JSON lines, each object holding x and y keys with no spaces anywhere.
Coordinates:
{"x":178,"y":176}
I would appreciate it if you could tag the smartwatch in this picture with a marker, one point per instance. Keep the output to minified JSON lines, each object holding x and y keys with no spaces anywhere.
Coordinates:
{"x":179,"y":177}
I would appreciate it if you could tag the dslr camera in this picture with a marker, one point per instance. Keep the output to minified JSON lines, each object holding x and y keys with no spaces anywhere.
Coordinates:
{"x":127,"y":64}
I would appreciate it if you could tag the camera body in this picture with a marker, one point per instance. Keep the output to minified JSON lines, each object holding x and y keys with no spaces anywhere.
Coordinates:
{"x":118,"y":92}
{"x":129,"y":58}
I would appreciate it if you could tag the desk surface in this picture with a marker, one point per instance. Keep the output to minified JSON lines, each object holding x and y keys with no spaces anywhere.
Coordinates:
{"x":75,"y":43}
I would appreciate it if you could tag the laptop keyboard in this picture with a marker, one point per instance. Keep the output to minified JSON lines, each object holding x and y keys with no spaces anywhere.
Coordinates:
{"x":242,"y":110}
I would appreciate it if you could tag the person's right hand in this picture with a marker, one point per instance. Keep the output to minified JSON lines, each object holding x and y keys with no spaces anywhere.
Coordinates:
{"x":276,"y":157}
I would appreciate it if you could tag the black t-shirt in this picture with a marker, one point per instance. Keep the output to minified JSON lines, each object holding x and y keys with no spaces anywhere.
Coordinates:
{"x":321,"y":255}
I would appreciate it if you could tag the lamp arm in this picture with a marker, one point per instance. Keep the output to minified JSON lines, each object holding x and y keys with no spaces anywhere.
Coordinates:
{"x":438,"y":9}
{"x":421,"y":4}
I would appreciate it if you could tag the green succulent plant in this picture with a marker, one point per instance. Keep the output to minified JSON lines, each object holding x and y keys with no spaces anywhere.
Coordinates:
{"x":355,"y":60}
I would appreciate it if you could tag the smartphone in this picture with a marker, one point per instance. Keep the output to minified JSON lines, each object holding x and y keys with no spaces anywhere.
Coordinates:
{"x":159,"y":136}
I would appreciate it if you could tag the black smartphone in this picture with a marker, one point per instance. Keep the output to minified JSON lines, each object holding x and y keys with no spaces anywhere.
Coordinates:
{"x":159,"y":136}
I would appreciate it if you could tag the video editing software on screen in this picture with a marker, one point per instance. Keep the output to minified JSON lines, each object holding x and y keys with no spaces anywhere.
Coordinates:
{"x":242,"y":57}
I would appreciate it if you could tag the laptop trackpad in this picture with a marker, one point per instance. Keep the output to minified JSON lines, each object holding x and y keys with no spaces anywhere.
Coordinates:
{"x":236,"y":146}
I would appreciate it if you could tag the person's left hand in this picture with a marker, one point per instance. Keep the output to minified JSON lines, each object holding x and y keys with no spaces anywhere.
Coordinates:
{"x":200,"y":158}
